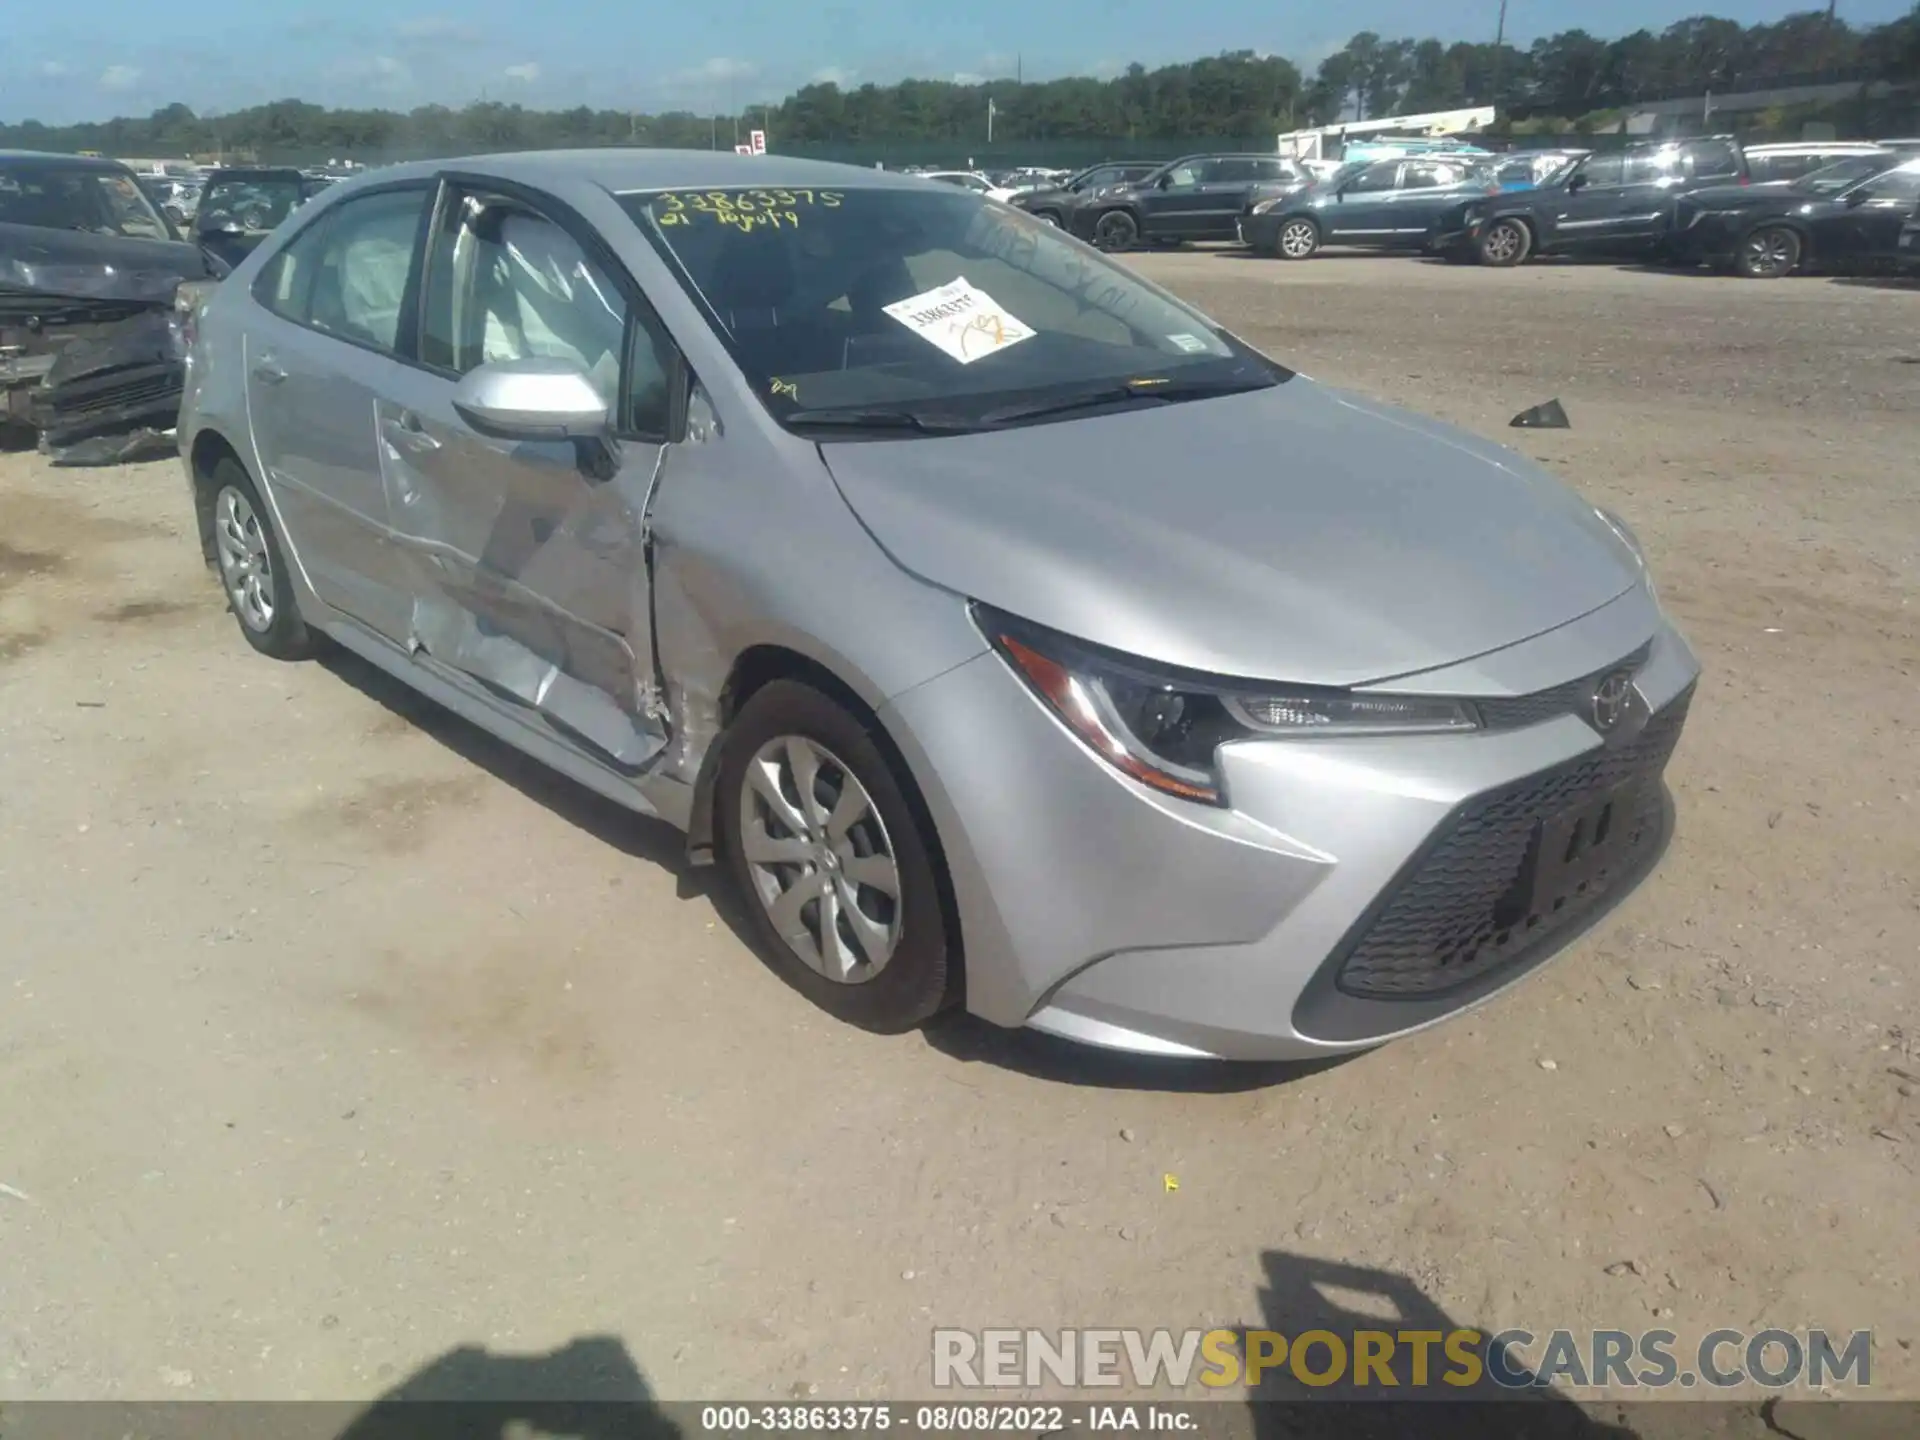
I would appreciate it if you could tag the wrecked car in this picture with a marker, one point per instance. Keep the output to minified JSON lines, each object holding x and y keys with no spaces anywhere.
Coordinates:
{"x":240,"y":207}
{"x":1016,"y":636}
{"x":92,"y":314}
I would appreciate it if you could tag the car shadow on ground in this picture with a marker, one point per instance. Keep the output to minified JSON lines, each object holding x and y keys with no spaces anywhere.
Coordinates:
{"x":1878,"y":282}
{"x":967,"y":1038}
{"x":638,"y":836}
{"x":589,"y":1390}
{"x":1300,"y":1294}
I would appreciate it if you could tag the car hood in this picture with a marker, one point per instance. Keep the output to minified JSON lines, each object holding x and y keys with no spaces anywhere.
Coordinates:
{"x":96,"y":267}
{"x":1294,"y":533}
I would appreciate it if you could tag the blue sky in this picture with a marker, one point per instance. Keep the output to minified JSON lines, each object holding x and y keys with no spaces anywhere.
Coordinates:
{"x":91,"y":59}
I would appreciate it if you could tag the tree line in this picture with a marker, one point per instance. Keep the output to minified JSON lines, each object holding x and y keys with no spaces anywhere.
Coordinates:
{"x":1242,"y":93}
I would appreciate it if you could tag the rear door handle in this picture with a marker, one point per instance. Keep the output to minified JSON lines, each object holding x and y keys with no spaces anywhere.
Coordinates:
{"x":405,"y":432}
{"x":268,"y":369}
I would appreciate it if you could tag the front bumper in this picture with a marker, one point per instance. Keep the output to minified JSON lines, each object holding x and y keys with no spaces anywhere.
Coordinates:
{"x":1321,"y":912}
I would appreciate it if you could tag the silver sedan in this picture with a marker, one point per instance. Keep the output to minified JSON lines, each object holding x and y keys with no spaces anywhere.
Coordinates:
{"x":1017,"y":636}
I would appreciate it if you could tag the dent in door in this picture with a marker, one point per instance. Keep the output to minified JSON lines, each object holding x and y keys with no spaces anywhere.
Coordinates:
{"x":531,"y":578}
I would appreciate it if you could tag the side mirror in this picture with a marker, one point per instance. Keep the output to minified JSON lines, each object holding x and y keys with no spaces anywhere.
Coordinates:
{"x":538,"y":398}
{"x":1858,"y":197}
{"x":1165,"y":183}
{"x":1577,"y":184}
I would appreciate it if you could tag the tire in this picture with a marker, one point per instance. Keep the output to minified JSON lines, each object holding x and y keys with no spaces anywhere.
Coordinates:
{"x":1768,"y":252}
{"x":1297,"y":239}
{"x":253,"y":569}
{"x":785,"y":728}
{"x":1049,"y":217}
{"x":1116,"y":230}
{"x":1505,"y":243}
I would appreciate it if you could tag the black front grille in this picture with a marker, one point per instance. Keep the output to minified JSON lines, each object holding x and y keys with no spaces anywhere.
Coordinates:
{"x":139,"y":387}
{"x":1452,"y":919}
{"x":1571,"y":698}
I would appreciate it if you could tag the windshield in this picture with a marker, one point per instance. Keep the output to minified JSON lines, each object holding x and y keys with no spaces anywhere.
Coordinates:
{"x":251,"y":206}
{"x":78,"y":197}
{"x":929,"y":300}
{"x":1842,"y":174}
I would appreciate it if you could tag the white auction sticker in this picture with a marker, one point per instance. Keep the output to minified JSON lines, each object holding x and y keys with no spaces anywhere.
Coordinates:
{"x":1192,"y":344}
{"x":961,"y":319}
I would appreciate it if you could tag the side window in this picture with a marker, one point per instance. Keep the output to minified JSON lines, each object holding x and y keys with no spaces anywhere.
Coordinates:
{"x":1232,"y":172}
{"x":1192,"y":174}
{"x":1280,"y":170}
{"x":1901,"y":184}
{"x":1603,"y":169}
{"x":360,"y":266}
{"x":1715,"y":159}
{"x":1374,"y":178}
{"x":1420,"y":177}
{"x":1646,"y":169}
{"x":506,"y":283}
{"x":286,"y":281}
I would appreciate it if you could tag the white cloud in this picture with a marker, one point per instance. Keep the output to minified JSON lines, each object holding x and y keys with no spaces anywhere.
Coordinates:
{"x":721,"y":70}
{"x":53,"y":69}
{"x":528,"y":72}
{"x":968,"y":77}
{"x":119,"y":77}
{"x":380,"y":71}
{"x":834,"y":75}
{"x":998,"y":60}
{"x":438,"y":27}
{"x":1107,"y":69}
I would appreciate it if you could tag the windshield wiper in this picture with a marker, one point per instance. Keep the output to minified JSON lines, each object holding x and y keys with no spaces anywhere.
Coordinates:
{"x":854,"y":418}
{"x":1120,"y":395}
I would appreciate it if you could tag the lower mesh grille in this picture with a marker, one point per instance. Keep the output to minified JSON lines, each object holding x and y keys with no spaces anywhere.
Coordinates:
{"x":1465,"y":910}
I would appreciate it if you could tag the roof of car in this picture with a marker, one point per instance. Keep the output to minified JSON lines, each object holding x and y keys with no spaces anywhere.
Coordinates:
{"x":619,"y":170}
{"x":256,"y":172}
{"x":90,"y":162}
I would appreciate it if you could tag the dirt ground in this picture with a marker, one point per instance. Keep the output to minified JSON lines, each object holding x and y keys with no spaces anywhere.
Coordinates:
{"x":334,"y":1037}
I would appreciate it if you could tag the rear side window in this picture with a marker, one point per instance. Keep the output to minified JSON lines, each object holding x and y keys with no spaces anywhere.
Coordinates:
{"x":1276,"y":170}
{"x":347,"y":275}
{"x":1714,"y":158}
{"x":1231,"y":171}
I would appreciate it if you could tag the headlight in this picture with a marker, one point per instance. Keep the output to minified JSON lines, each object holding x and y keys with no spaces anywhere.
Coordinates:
{"x":1265,"y":205}
{"x":1164,"y":727}
{"x":1632,"y":542}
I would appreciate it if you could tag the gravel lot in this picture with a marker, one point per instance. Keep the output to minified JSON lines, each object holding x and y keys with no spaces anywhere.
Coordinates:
{"x":334,"y":1037}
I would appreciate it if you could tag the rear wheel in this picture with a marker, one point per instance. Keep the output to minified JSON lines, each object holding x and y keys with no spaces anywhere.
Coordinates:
{"x":1768,"y":253}
{"x":838,"y":875}
{"x":253,"y":570}
{"x":1298,"y":240}
{"x":1051,"y":217}
{"x":1116,"y":230}
{"x":1504,"y":243}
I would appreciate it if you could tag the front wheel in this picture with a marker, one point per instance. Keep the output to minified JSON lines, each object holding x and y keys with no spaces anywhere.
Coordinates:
{"x":1116,"y":230}
{"x":1504,"y":243}
{"x":838,"y":874}
{"x":1768,"y":253}
{"x":1299,"y":239}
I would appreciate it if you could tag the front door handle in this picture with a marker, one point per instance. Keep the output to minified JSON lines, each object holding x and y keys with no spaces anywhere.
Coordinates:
{"x":406,"y":433}
{"x":269,"y":370}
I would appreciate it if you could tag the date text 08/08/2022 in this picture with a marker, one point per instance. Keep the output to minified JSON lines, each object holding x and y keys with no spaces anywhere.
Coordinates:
{"x":942,"y":1419}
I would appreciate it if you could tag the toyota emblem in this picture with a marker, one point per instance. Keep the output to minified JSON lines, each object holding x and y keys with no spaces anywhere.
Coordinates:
{"x":1610,"y":699}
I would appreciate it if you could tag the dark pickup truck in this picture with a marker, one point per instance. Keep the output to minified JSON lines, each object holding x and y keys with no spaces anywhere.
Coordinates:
{"x":91,"y":342}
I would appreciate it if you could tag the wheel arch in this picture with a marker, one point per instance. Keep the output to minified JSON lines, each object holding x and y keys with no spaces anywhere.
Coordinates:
{"x":753,"y":669}
{"x":209,"y":448}
{"x":1800,"y":229}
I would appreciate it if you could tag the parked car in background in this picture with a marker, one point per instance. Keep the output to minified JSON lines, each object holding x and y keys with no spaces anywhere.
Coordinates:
{"x":1909,"y":243}
{"x":916,"y":564}
{"x":1847,"y":216}
{"x":1533,"y":167}
{"x":1771,"y":164}
{"x":970,"y":180}
{"x":1053,"y":203}
{"x":1614,"y":202}
{"x":1198,"y":197}
{"x":1385,"y":205}
{"x":239,"y":207}
{"x":90,"y":273}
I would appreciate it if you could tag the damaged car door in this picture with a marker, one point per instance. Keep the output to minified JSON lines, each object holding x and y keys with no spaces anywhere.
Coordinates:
{"x":334,"y":301}
{"x":526,"y":555}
